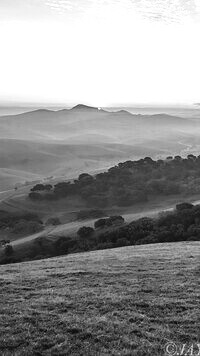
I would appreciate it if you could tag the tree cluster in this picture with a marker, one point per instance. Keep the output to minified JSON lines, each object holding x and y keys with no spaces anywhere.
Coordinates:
{"x":128,"y":183}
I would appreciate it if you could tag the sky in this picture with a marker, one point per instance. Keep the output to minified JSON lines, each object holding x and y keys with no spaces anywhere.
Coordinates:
{"x":99,"y":52}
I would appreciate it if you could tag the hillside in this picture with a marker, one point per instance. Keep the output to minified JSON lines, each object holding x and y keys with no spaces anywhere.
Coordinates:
{"x":67,"y":142}
{"x":126,"y":301}
{"x":81,"y":121}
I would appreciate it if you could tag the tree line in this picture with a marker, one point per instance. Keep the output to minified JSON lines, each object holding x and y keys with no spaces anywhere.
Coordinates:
{"x":128,"y":183}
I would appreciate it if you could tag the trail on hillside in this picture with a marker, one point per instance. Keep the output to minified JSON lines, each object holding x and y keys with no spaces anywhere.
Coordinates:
{"x":72,"y":227}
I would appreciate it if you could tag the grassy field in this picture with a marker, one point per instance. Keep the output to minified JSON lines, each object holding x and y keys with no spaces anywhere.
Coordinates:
{"x":124,"y":301}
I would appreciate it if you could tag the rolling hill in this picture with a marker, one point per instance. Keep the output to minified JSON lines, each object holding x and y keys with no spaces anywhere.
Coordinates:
{"x":125,"y":301}
{"x":68,"y":142}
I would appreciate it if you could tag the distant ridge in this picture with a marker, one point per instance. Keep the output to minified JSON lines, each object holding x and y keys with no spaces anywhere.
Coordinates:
{"x":123,"y":112}
{"x":81,"y":107}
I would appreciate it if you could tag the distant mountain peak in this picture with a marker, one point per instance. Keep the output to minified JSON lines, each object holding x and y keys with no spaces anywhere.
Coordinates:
{"x":82,"y":107}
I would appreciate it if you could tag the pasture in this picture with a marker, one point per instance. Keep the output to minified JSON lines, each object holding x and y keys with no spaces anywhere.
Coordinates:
{"x":123,"y":301}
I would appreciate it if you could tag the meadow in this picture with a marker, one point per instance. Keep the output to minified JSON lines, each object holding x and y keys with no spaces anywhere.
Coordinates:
{"x":123,"y":301}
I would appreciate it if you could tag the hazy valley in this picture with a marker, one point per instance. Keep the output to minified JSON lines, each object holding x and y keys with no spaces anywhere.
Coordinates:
{"x":42,"y":143}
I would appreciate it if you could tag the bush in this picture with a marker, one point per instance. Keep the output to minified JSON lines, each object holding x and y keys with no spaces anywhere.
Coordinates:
{"x":183,"y":206}
{"x":100,"y":224}
{"x":122,"y":242}
{"x":106,"y":222}
{"x":64,"y":245}
{"x":8,"y":250}
{"x":85,"y":231}
{"x":38,"y":187}
{"x":115,"y":220}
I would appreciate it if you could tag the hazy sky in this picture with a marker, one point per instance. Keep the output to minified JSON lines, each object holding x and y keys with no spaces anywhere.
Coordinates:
{"x":100,"y":52}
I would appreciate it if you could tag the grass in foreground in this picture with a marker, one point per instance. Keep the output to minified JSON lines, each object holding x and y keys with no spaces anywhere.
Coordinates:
{"x":126,"y":301}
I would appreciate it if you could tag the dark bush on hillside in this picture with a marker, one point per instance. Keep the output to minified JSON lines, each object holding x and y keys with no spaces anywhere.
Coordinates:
{"x":150,"y":239}
{"x":41,"y":187}
{"x":38,"y":187}
{"x":85,"y":231}
{"x":194,"y":230}
{"x":35,"y":196}
{"x":183,"y":206}
{"x":122,"y":242}
{"x":193,"y":238}
{"x":85,"y":179}
{"x":64,"y":245}
{"x":100,"y":224}
{"x":115,"y":220}
{"x":63,"y":189}
{"x":48,"y":187}
{"x":42,"y":246}
{"x":110,"y":221}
